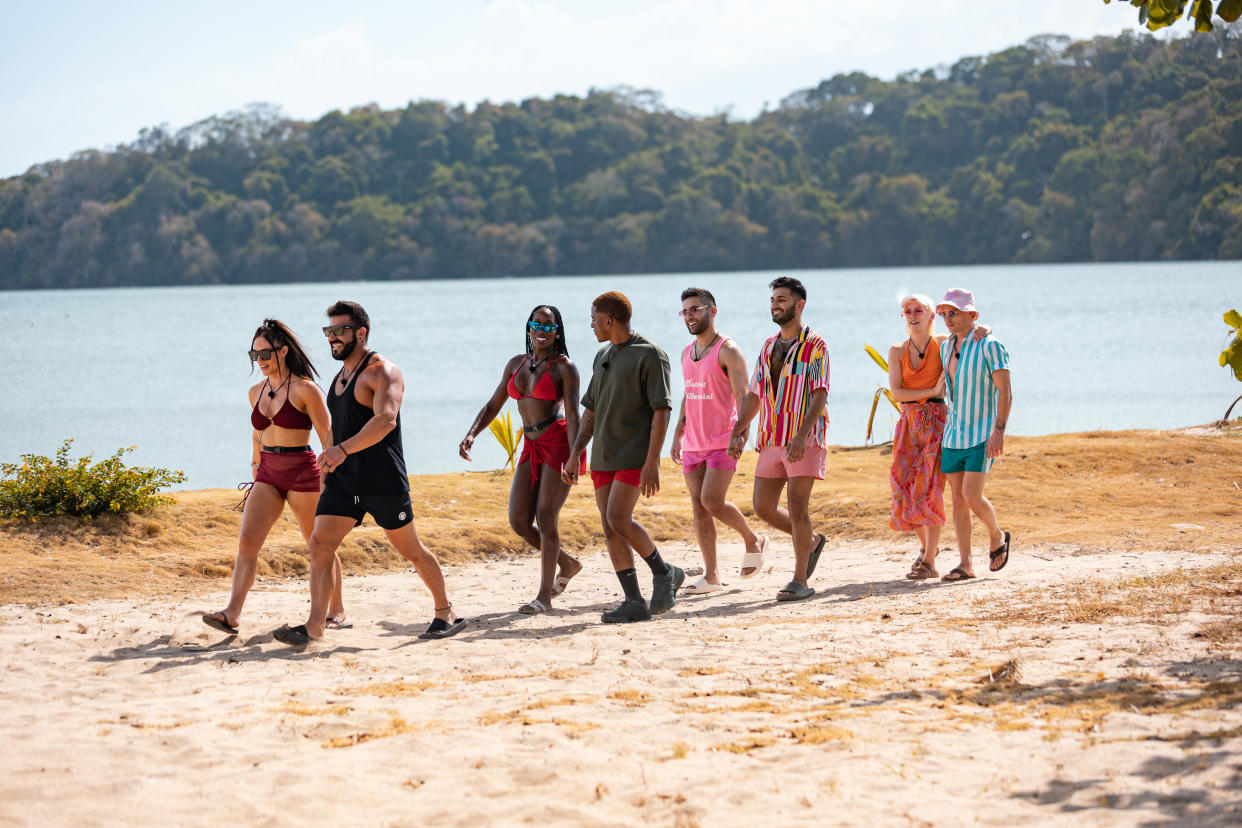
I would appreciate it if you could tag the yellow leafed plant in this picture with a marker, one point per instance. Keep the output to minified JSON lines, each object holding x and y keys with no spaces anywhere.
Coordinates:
{"x":507,"y":436}
{"x":875,"y":402}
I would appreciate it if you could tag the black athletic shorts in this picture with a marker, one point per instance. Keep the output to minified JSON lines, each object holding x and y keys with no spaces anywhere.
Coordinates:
{"x":391,"y":510}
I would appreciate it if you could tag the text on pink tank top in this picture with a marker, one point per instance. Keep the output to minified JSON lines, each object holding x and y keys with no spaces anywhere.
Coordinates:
{"x":711,"y":411}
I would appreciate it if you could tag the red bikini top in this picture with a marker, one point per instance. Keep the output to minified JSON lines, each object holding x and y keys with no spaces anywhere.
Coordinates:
{"x":545,"y":388}
{"x":286,"y":417}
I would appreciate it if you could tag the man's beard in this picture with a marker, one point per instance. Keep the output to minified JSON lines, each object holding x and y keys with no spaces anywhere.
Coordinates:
{"x":347,"y":348}
{"x":782,"y":318}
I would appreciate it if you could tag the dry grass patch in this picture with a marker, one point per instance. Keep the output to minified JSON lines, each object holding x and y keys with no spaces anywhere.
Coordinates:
{"x":1152,"y":597}
{"x":388,"y":688}
{"x":301,"y":709}
{"x":396,"y":726}
{"x":575,"y":730}
{"x":819,"y":734}
{"x":745,"y":745}
{"x":1142,"y":482}
{"x":630,"y":697}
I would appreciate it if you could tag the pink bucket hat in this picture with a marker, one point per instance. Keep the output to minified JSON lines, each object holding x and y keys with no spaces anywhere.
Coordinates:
{"x":959,"y":298}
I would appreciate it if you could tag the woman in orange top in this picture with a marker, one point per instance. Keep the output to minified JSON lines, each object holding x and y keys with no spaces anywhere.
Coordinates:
{"x":916,"y":379}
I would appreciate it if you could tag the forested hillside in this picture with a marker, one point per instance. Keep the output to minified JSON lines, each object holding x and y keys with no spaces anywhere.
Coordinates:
{"x":1121,"y":148}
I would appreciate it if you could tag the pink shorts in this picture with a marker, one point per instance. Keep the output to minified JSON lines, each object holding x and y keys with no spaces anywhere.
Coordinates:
{"x":714,"y":458}
{"x":631,"y":477}
{"x":772,"y":463}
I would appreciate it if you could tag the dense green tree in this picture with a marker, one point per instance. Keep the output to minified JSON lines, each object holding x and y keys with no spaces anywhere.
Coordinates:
{"x":1116,"y":148}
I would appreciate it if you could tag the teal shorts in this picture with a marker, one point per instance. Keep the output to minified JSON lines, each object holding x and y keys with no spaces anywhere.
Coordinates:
{"x":973,"y":459}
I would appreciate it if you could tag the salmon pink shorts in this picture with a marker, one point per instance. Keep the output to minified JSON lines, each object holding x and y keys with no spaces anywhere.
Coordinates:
{"x":772,"y":463}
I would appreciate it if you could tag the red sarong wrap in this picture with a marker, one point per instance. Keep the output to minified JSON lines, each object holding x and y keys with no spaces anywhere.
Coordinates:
{"x":916,"y":479}
{"x":551,"y":447}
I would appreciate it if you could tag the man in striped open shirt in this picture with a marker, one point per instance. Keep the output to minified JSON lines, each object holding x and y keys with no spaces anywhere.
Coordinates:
{"x":979,"y":395}
{"x":788,"y":391}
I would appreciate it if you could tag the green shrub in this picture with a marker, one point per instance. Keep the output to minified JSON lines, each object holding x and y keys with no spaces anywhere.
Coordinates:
{"x":43,"y":487}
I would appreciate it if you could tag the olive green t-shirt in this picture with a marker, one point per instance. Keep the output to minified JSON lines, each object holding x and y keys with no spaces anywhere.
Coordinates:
{"x":628,"y":383}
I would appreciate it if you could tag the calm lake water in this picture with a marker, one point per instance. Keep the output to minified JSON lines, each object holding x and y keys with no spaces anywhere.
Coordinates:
{"x":1098,"y":346}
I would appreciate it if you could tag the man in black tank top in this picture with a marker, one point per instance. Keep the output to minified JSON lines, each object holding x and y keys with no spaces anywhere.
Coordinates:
{"x":364,"y":471}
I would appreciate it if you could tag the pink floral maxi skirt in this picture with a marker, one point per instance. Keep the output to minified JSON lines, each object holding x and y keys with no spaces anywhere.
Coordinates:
{"x":916,"y":479}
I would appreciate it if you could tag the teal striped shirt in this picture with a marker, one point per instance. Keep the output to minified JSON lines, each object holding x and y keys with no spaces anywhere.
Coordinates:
{"x":972,"y":394}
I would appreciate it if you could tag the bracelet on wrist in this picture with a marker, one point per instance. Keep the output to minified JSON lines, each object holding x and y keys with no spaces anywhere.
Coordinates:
{"x":341,"y":446}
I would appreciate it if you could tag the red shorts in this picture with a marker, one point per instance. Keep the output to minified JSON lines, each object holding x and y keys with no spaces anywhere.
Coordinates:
{"x":294,"y":472}
{"x":630,"y":477}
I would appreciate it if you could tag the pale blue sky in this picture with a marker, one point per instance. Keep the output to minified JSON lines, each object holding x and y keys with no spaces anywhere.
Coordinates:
{"x":77,"y":75}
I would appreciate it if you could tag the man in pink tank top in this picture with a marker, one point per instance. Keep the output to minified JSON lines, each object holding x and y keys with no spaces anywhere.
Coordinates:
{"x":716,"y":380}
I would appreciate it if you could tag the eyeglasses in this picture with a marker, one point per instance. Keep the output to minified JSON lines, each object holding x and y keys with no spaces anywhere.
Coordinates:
{"x":692,"y":311}
{"x":265,"y":354}
{"x":914,"y":310}
{"x":337,"y":330}
{"x":546,"y":327}
{"x":950,"y":314}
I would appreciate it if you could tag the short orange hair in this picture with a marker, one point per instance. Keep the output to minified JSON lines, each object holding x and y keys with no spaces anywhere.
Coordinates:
{"x":615,"y":304}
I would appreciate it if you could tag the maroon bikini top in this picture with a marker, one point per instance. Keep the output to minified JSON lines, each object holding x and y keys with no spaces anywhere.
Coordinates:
{"x":286,"y":417}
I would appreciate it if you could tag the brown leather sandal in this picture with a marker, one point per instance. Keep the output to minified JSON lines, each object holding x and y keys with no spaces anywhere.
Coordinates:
{"x":922,"y":571}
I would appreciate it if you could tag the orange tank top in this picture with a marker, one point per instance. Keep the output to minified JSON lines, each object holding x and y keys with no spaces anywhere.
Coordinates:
{"x":927,"y":373}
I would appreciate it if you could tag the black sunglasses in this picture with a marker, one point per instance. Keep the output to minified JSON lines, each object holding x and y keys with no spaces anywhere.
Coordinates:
{"x":337,"y":330}
{"x":265,"y":354}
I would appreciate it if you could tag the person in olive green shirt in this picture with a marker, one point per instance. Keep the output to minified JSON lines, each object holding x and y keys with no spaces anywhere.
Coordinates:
{"x":628,"y":403}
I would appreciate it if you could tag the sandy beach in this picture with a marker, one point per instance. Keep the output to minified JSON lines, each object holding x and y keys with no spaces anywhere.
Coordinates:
{"x":877,"y":701}
{"x":1096,"y":680}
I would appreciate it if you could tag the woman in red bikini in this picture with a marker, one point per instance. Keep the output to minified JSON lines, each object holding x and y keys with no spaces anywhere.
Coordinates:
{"x":540,"y":380}
{"x":284,"y":407}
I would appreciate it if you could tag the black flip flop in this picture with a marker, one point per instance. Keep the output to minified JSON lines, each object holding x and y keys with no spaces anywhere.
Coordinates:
{"x":220,"y":624}
{"x":439,"y":628}
{"x":962,"y":575}
{"x":1003,"y":549}
{"x":812,"y":561}
{"x":293,"y":636}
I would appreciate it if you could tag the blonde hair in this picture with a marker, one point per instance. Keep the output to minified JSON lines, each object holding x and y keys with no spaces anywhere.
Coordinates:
{"x":927,"y":304}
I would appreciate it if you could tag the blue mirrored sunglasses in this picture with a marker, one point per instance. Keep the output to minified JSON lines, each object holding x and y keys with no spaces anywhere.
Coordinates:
{"x":546,"y":327}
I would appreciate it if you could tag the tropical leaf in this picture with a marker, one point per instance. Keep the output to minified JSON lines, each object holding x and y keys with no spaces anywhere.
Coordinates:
{"x":507,"y":436}
{"x":1232,"y":357}
{"x":1161,"y":13}
{"x":1201,"y":11}
{"x":1232,"y":318}
{"x":875,"y":402}
{"x":874,"y":354}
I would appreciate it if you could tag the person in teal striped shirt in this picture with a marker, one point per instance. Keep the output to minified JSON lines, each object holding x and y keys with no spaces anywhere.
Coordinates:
{"x":979,"y":398}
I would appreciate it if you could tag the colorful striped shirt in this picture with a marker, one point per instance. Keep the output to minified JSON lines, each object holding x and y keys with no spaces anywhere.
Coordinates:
{"x":783,"y":404}
{"x":972,"y":394}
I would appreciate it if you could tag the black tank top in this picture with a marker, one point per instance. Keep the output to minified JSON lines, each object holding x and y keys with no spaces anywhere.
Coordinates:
{"x":375,"y":470}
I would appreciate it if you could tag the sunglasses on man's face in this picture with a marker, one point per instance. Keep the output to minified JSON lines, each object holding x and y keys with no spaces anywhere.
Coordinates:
{"x":264,"y":354}
{"x":337,"y":330}
{"x":692,"y":311}
{"x":546,"y":327}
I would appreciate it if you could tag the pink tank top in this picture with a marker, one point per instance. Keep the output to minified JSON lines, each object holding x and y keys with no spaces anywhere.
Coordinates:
{"x":711,"y":411}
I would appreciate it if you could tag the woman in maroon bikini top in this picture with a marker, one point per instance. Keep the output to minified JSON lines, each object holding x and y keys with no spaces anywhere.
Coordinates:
{"x":542,"y":380}
{"x":284,"y":408}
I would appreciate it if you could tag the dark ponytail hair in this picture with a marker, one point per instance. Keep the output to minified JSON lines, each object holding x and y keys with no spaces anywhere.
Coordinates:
{"x":558,"y":344}
{"x":296,"y":360}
